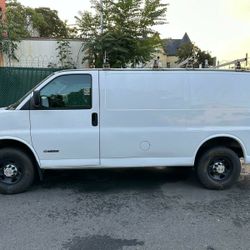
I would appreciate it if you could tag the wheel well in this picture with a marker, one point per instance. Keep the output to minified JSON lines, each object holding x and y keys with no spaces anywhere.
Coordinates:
{"x":19,"y":145}
{"x":221,"y":141}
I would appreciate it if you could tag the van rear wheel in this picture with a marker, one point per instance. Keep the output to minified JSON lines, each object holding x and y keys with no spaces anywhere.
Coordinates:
{"x":16,"y":171}
{"x":218,"y":168}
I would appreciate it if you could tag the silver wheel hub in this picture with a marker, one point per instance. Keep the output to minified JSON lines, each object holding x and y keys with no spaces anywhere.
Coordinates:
{"x":219,"y":167}
{"x":10,"y":170}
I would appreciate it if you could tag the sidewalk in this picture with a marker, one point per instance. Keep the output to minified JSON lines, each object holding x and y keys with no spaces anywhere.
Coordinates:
{"x":245,"y":169}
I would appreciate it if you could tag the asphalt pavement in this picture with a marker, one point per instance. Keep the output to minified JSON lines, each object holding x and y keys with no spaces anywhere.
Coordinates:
{"x":126,"y":209}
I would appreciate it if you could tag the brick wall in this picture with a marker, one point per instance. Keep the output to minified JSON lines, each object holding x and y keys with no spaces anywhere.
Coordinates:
{"x":2,"y":6}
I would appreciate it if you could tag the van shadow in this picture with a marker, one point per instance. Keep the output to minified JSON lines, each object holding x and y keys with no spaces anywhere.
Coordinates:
{"x":113,"y":180}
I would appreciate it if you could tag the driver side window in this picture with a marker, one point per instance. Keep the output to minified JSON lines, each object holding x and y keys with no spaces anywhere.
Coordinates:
{"x":68,"y":92}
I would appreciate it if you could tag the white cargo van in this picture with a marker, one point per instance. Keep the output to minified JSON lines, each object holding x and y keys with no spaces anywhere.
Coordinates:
{"x":128,"y":118}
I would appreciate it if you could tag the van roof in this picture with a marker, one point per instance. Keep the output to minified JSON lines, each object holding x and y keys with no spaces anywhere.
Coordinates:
{"x":157,"y":70}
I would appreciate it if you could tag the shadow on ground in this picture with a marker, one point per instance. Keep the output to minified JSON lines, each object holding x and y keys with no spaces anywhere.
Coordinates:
{"x":116,"y":179}
{"x":100,"y":242}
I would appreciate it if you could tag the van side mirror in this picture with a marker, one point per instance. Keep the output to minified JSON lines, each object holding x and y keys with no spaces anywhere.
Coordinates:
{"x":36,"y":99}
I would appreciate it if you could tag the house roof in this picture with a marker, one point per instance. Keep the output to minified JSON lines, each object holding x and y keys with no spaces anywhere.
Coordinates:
{"x":171,"y":46}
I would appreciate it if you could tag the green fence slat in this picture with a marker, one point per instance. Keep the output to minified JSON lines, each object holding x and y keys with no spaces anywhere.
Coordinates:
{"x":16,"y":82}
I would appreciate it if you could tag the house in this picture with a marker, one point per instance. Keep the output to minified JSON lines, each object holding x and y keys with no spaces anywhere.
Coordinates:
{"x":167,"y":54}
{"x":170,"y":48}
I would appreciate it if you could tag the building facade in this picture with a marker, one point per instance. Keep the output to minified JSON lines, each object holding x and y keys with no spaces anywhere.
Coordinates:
{"x":167,"y":54}
{"x":170,"y":49}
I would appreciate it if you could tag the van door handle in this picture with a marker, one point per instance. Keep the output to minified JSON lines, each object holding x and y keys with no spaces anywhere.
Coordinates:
{"x":94,"y":119}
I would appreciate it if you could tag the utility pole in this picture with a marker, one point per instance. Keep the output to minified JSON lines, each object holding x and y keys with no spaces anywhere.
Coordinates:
{"x":101,"y":3}
{"x":105,"y":61}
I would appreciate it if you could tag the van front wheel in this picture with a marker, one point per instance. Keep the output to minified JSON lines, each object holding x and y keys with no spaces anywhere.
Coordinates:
{"x":218,"y":168}
{"x":16,"y":171}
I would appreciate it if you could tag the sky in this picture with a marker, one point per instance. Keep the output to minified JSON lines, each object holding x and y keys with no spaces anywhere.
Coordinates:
{"x":221,"y":27}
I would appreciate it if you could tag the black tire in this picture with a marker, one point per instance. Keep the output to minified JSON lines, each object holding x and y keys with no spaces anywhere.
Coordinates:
{"x":211,"y":164}
{"x":16,"y":171}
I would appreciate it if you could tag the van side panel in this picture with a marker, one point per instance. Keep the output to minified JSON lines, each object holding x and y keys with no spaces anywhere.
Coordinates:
{"x":219,"y":105}
{"x":162,"y":118}
{"x":143,"y":118}
{"x":15,"y":125}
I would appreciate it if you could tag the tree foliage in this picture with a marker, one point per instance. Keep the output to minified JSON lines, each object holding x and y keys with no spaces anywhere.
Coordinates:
{"x":127,"y":37}
{"x":190,"y":50}
{"x":65,"y":54}
{"x":48,"y":23}
{"x":12,"y":29}
{"x":22,"y":21}
{"x":204,"y":55}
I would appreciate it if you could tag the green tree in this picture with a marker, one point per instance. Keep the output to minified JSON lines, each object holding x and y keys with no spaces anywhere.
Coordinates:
{"x":128,"y":36}
{"x":48,"y":23}
{"x":65,"y":54}
{"x":187,"y":50}
{"x":190,"y":50}
{"x":202,"y":56}
{"x":12,"y":29}
{"x":20,"y":22}
{"x":16,"y":20}
{"x":23,"y":20}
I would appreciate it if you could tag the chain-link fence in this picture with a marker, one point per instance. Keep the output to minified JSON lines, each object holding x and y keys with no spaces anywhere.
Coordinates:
{"x":16,"y":82}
